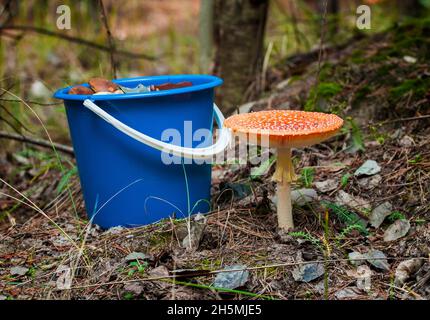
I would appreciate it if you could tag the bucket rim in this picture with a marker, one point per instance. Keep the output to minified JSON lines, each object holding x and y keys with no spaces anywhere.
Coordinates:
{"x":212,"y":81}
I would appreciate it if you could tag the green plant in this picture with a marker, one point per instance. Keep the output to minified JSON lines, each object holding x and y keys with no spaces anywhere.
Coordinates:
{"x":345,"y":179}
{"x":128,"y":296}
{"x":325,"y":90}
{"x":356,"y":140}
{"x":396,"y":215}
{"x":307,"y":236}
{"x":349,"y":218}
{"x":307,"y":176}
{"x":137,"y":266}
{"x":417,"y":159}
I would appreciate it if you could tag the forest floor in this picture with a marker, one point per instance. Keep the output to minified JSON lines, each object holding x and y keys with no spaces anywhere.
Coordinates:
{"x":380,"y":217}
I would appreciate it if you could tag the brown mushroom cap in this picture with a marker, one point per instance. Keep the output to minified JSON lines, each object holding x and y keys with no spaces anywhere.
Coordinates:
{"x":285,"y":128}
{"x":102,"y":85}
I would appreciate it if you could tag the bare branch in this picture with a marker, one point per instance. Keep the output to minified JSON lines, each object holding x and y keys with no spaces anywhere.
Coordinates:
{"x":78,"y":40}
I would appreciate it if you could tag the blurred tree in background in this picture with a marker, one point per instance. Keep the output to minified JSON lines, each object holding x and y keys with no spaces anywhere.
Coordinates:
{"x":239,"y":37}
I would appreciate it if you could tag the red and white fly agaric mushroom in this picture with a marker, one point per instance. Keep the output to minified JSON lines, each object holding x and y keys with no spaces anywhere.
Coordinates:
{"x":284,"y":129}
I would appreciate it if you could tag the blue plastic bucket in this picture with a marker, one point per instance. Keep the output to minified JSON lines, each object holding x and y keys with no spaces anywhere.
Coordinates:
{"x":124,"y":181}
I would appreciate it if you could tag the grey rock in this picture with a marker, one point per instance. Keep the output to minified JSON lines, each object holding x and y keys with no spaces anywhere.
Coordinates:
{"x":308,"y":272}
{"x":301,"y":197}
{"x":192,"y":239}
{"x":397,"y":230}
{"x":134,"y":287}
{"x":136,"y":256}
{"x":18,"y":271}
{"x":356,"y":258}
{"x":378,"y":214}
{"x":327,"y":185}
{"x":349,"y":293}
{"x":232,"y":279}
{"x":406,"y":142}
{"x":160,"y":271}
{"x":368,"y":168}
{"x":369,"y":183}
{"x":378,"y":259}
{"x":354,"y":202}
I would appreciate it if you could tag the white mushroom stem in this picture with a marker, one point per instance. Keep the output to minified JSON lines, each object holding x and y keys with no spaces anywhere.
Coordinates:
{"x":284,"y":175}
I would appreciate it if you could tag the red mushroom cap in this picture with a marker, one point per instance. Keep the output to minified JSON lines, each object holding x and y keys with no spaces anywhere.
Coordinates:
{"x":286,"y":128}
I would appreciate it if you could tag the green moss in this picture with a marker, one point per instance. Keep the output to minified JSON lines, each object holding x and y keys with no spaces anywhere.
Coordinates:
{"x":358,"y":57}
{"x":325,"y":90}
{"x":362,"y":93}
{"x":417,"y":87}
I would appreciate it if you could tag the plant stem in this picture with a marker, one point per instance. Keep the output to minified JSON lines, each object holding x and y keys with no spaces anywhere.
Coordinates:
{"x":284,"y":174}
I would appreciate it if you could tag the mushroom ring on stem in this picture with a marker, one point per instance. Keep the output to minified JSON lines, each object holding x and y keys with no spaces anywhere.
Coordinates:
{"x":283,"y":130}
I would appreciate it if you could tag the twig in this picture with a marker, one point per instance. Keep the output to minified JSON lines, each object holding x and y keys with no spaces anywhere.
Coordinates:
{"x":111,"y":41}
{"x":78,"y":40}
{"x":36,"y":141}
{"x":406,"y":119}
{"x":32,"y":102}
{"x":320,"y":50}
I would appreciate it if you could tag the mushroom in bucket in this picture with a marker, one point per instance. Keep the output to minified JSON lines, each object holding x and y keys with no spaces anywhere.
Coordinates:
{"x":285,"y":129}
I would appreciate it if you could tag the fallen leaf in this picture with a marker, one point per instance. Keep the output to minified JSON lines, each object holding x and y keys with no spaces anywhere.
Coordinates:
{"x":405,"y":270}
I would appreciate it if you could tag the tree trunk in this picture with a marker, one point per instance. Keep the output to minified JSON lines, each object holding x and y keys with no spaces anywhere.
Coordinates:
{"x":206,"y":34}
{"x":239,"y":39}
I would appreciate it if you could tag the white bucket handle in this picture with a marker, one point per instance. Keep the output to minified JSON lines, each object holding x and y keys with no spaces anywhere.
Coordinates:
{"x":199,"y":153}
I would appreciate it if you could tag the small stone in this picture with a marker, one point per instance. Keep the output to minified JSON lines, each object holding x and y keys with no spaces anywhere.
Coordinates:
{"x":407,"y":142}
{"x":195,"y":234}
{"x":160,"y":271}
{"x":134,"y":287}
{"x":348,"y":293}
{"x":378,"y":259}
{"x":327,"y":185}
{"x":397,"y":230}
{"x":369,"y":183}
{"x":406,"y":269}
{"x":233,"y":279}
{"x":18,"y":271}
{"x":308,"y":272}
{"x":378,"y":214}
{"x":356,"y":258}
{"x":369,"y":168}
{"x":301,"y":197}
{"x":136,"y":256}
{"x":364,"y":273}
{"x":354,"y":202}
{"x":115,"y":230}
